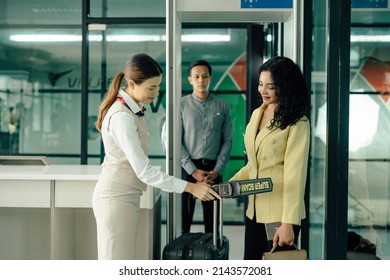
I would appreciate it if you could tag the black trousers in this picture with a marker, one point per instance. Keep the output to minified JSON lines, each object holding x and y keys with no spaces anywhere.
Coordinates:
{"x":257,"y":243}
{"x":188,"y":200}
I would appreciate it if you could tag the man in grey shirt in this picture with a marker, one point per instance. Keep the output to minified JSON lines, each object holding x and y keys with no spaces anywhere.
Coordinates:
{"x":207,"y":136}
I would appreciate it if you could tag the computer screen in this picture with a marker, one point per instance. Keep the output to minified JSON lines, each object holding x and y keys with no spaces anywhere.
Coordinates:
{"x":24,"y":160}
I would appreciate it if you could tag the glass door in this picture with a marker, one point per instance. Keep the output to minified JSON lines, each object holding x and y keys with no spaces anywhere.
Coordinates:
{"x":363,"y":203}
{"x":369,"y":132}
{"x":228,"y":83}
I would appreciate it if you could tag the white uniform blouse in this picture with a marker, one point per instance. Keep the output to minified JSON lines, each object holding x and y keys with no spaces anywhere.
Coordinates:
{"x":124,"y":132}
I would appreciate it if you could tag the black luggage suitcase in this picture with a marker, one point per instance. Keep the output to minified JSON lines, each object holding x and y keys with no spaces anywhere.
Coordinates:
{"x":205,"y":249}
{"x":178,"y":248}
{"x":200,"y":246}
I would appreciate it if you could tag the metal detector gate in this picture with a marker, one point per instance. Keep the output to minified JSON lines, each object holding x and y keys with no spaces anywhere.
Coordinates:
{"x":288,"y":12}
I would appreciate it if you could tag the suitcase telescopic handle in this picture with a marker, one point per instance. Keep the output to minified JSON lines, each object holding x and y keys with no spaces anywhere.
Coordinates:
{"x":217,"y":242}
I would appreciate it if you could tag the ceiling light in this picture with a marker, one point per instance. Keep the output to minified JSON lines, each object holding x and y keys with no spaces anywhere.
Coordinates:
{"x":370,"y":38}
{"x":44,"y":38}
{"x":205,"y":38}
{"x":116,"y":38}
{"x":134,"y":38}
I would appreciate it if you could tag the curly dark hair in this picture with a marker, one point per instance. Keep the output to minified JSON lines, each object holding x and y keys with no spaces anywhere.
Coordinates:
{"x":293,"y":99}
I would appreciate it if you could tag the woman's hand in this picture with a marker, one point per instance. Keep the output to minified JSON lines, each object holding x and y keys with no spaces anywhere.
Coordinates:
{"x":284,"y":235}
{"x":201,"y":191}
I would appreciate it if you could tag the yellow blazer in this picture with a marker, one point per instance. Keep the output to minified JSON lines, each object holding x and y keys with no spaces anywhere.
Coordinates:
{"x":281,"y":155}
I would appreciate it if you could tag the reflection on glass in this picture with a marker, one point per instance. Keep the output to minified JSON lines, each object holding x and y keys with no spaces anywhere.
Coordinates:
{"x":37,"y":12}
{"x":131,"y":9}
{"x":318,"y":146}
{"x":369,"y":132}
{"x":38,"y":85}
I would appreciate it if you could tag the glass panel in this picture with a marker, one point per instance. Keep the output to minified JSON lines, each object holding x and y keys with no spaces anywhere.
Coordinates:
{"x":369,"y":134}
{"x":97,"y":86}
{"x":108,"y":52}
{"x":229,"y":83}
{"x":39,"y":90}
{"x":129,"y":9}
{"x":318,"y":155}
{"x":56,"y":12}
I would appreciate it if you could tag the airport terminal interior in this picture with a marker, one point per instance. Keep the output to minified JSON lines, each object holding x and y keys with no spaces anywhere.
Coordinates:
{"x":58,"y":58}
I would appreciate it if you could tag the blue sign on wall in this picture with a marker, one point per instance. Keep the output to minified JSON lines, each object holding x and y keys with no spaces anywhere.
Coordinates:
{"x":276,"y":4}
{"x":369,"y":3}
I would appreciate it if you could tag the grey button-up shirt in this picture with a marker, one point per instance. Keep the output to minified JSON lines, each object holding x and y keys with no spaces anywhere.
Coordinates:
{"x":207,"y":131}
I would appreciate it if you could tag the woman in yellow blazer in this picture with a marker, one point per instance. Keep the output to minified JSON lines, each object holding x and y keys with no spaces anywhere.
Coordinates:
{"x":277,"y":141}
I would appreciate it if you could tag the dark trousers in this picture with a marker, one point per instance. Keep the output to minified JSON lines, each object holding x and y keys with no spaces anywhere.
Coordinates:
{"x":257,"y":243}
{"x":188,"y":200}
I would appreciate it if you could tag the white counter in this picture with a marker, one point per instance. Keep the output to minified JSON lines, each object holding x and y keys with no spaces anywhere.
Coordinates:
{"x":73,"y":186}
{"x":52,"y":172}
{"x":46,"y":213}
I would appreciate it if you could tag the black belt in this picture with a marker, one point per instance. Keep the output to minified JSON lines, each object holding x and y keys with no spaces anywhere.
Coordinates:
{"x":204,"y":161}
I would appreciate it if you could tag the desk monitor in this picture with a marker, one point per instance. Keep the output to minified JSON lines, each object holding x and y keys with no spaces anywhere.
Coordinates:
{"x":24,"y":160}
